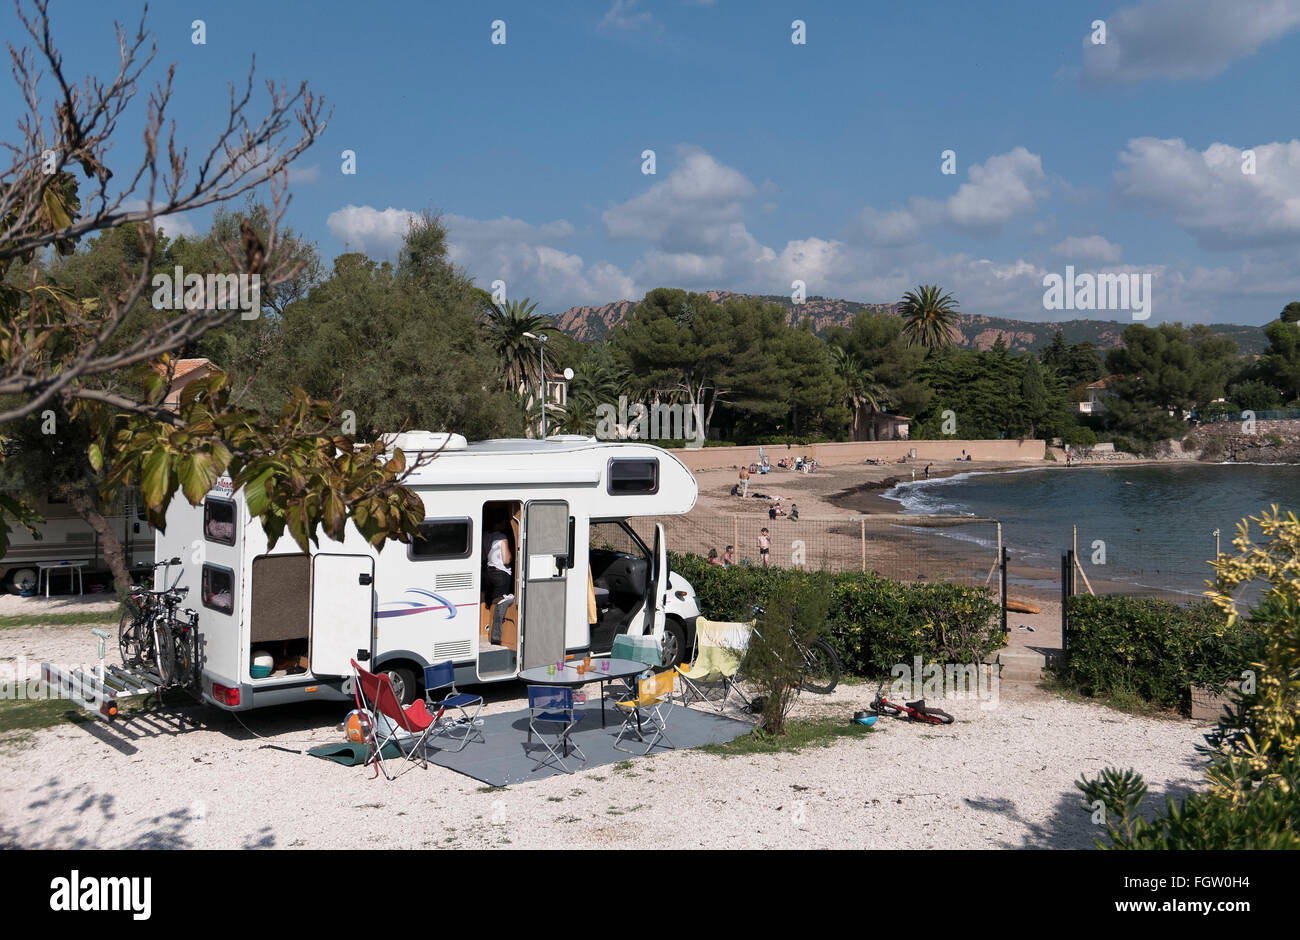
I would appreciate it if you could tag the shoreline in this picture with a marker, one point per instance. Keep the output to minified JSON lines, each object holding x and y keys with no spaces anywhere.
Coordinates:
{"x":890,"y":548}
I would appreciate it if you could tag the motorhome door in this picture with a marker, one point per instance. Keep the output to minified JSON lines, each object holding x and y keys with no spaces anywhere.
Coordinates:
{"x":547,"y":554}
{"x":657,"y":585}
{"x":342,"y":613}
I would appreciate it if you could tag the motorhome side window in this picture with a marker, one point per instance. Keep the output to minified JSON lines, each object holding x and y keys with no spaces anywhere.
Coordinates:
{"x":219,"y":521}
{"x":218,"y":588}
{"x":442,"y":538}
{"x":630,"y":476}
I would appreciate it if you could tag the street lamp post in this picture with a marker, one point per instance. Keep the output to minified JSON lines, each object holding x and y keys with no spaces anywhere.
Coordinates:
{"x":541,"y":349}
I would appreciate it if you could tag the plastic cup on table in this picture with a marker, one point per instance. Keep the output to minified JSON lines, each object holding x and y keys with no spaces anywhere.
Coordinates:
{"x":604,"y":665}
{"x":550,"y":669}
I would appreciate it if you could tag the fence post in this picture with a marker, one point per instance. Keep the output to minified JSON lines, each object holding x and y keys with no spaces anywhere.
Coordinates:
{"x":735,"y":532}
{"x":1004,"y":588}
{"x":1065,"y":598}
{"x":863,"y":523}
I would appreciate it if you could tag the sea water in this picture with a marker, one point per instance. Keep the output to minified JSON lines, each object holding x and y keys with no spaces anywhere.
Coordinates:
{"x":1151,"y":525}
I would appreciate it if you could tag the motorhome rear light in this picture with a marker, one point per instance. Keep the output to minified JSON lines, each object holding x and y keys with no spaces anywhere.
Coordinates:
{"x":108,"y":709}
{"x":311,"y":688}
{"x":225,"y":695}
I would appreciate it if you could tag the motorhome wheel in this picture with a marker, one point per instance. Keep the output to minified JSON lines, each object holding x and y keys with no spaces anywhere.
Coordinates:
{"x":674,"y":647}
{"x":404,"y":684}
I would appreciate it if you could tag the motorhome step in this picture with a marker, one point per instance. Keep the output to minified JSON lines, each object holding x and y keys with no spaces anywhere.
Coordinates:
{"x":497,"y":660}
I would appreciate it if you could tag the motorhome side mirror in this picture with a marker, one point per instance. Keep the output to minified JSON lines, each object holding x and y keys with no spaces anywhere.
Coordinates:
{"x":363,"y":656}
{"x":174,"y":561}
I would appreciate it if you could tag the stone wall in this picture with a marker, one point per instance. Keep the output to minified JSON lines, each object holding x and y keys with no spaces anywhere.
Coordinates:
{"x":1264,"y":442}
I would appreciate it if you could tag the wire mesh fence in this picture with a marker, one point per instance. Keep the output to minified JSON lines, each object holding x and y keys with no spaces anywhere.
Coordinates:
{"x":960,"y":549}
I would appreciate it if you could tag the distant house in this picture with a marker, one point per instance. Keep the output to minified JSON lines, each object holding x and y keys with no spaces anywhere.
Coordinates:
{"x":557,"y":402}
{"x":882,"y":426}
{"x":187,"y":371}
{"x":1095,"y":403}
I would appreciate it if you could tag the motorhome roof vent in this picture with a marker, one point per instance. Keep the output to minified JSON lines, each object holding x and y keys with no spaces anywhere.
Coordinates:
{"x":416,"y":441}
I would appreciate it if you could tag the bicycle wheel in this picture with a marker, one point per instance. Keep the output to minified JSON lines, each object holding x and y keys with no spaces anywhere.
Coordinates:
{"x":821,"y":668}
{"x":884,"y":708}
{"x":937,"y":717}
{"x":126,"y":635}
{"x":165,"y":642}
{"x":187,"y":656}
{"x":135,"y":637}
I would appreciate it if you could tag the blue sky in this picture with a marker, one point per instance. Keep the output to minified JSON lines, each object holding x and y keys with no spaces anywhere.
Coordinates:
{"x":775,"y":161}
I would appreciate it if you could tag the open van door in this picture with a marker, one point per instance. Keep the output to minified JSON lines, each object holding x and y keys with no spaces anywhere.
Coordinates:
{"x":546,"y":550}
{"x":342,"y":613}
{"x":657,"y":585}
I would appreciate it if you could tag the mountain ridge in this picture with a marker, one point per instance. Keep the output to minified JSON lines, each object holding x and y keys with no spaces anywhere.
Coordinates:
{"x":977,"y":331}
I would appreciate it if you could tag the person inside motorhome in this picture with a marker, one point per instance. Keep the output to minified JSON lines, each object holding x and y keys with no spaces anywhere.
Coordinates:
{"x":498,"y":578}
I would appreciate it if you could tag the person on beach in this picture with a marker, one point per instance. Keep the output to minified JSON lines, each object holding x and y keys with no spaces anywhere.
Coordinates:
{"x":764,"y":546}
{"x":744,"y":481}
{"x":794,"y":512}
{"x":927,"y":471}
{"x":727,"y":559}
{"x":715,"y":560}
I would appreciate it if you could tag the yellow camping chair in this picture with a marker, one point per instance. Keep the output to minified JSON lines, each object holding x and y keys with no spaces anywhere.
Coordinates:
{"x":648,"y":712}
{"x":719,"y":648}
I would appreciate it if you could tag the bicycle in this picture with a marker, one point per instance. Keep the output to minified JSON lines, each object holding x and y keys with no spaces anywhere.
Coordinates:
{"x":912,"y":711}
{"x":155,"y":633}
{"x":135,"y":634}
{"x":821,"y":664}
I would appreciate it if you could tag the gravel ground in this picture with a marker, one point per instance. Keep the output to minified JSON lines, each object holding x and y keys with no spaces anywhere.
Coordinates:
{"x":999,"y":777}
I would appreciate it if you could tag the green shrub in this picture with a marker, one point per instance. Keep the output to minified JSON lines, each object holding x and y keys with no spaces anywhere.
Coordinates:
{"x":1080,"y":437}
{"x":875,"y":623}
{"x":1122,"y":646}
{"x":1254,"y":773}
{"x":772,"y":661}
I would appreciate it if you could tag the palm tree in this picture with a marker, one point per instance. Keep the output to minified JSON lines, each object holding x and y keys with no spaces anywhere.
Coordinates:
{"x":506,"y":325}
{"x":930,"y":315}
{"x":861,"y":387}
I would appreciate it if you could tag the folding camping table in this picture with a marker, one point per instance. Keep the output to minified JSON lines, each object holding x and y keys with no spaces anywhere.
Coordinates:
{"x":618,"y":669}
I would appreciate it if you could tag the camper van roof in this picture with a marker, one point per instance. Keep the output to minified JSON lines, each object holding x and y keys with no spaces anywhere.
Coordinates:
{"x":572,"y":460}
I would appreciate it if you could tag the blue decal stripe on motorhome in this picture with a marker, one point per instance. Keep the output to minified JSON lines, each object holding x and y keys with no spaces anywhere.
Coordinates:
{"x":418,"y":608}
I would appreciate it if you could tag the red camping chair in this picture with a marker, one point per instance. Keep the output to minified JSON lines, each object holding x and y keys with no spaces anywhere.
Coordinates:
{"x":375,"y":692}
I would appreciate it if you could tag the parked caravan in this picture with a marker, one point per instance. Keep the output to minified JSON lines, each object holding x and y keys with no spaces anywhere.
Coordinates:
{"x":65,"y":536}
{"x":525,"y":555}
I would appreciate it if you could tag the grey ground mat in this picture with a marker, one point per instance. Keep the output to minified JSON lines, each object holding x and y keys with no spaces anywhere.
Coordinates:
{"x":501,"y":758}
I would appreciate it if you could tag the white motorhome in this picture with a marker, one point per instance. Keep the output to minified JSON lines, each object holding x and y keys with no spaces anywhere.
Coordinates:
{"x":65,"y":536}
{"x":580,"y":573}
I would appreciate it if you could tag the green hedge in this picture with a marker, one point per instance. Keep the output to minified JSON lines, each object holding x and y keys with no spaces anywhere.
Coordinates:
{"x":1151,"y":648}
{"x":875,"y":623}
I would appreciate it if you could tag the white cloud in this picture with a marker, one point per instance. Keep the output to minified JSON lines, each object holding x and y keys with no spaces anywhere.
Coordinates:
{"x":623,"y":15}
{"x":1182,"y":39}
{"x":1088,"y":248}
{"x":524,"y":257}
{"x":1007,"y":185}
{"x":304,"y":174}
{"x":173,"y":226}
{"x":693,"y":209}
{"x":1208,"y":195}
{"x":377,"y":232}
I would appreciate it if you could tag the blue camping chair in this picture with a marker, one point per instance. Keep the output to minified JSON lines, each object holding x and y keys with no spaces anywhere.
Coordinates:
{"x":442,"y":676}
{"x":551,"y":704}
